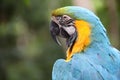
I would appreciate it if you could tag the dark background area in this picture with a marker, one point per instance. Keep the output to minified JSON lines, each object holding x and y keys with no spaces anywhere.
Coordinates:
{"x":27,"y":51}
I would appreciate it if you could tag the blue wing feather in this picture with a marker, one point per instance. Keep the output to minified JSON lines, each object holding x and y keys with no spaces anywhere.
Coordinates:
{"x":100,"y":66}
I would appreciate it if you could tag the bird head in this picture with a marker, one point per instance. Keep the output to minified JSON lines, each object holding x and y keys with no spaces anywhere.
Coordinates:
{"x":79,"y":26}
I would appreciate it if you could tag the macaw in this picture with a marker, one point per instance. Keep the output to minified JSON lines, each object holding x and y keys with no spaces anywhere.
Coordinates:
{"x":89,"y":54}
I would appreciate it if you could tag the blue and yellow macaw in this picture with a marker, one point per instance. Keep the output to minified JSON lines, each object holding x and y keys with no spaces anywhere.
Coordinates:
{"x":90,"y":55}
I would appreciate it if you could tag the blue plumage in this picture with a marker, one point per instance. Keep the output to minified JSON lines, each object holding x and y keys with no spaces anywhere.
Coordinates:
{"x":99,"y":61}
{"x":94,"y":64}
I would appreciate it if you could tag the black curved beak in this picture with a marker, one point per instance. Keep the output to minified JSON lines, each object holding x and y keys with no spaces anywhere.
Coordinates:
{"x":54,"y":30}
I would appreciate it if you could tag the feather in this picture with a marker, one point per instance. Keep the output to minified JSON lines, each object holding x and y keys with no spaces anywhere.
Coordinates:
{"x":98,"y":61}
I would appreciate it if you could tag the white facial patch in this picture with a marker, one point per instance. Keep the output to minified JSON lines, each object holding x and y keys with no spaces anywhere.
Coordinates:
{"x":70,"y":30}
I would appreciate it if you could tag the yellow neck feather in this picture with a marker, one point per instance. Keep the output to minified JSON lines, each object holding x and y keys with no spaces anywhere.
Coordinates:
{"x":83,"y":38}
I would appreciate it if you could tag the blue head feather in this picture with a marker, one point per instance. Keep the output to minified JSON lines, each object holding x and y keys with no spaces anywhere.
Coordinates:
{"x":99,"y":62}
{"x":79,"y":13}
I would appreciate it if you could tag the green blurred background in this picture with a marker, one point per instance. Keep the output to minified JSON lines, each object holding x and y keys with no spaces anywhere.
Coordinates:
{"x":27,"y":51}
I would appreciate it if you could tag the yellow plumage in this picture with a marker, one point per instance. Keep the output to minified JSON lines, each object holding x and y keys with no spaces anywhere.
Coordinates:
{"x":83,"y":31}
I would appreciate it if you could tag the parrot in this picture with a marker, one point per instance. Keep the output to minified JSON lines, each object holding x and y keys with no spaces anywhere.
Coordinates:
{"x":89,"y":53}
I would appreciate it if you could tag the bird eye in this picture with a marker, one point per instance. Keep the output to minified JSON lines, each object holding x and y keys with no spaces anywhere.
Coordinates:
{"x":65,"y":16}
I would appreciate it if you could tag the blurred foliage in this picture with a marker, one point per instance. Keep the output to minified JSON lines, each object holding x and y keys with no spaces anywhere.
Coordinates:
{"x":118,"y":9}
{"x":103,"y":12}
{"x":101,"y":9}
{"x":27,"y":51}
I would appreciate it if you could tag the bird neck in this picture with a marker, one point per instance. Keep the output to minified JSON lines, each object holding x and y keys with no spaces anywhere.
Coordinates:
{"x":87,"y":37}
{"x":83,"y":38}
